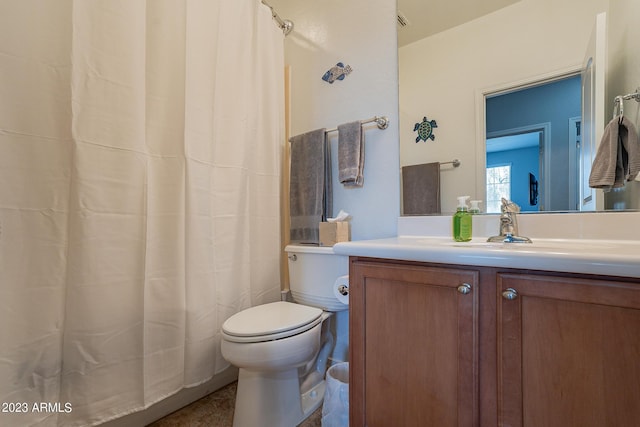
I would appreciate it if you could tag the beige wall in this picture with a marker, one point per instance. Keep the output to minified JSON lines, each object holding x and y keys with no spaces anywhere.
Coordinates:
{"x":623,"y":55}
{"x":623,"y":77}
{"x":442,"y":76}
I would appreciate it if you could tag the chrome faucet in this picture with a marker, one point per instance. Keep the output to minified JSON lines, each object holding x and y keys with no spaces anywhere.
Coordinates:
{"x":509,"y":225}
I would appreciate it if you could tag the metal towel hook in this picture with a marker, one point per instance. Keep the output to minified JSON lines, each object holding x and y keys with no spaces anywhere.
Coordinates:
{"x":618,"y":102}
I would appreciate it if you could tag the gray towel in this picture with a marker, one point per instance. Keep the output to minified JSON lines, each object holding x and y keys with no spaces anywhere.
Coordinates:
{"x":618,"y":156}
{"x":310,"y":194}
{"x":351,"y":154}
{"x":421,"y":189}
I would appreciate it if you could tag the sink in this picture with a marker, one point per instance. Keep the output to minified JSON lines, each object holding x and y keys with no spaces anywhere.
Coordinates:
{"x":589,"y":256}
{"x":546,"y":245}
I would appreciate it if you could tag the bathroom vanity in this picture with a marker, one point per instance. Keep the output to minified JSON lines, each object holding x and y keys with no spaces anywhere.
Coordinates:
{"x":490,"y":334}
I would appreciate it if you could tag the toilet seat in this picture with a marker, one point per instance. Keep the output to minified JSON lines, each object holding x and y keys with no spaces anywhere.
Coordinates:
{"x":269,"y":322}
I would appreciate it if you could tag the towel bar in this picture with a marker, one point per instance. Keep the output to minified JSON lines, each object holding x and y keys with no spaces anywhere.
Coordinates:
{"x":454,"y":162}
{"x":381,"y":121}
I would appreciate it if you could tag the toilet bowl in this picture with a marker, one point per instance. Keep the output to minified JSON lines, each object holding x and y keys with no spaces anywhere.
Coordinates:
{"x":278,"y":347}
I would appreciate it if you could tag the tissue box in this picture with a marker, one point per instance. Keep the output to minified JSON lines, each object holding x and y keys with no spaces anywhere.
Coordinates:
{"x":334,"y":232}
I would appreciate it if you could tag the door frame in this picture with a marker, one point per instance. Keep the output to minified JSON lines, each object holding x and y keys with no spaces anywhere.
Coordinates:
{"x":575,"y":144}
{"x":544,"y":150}
{"x":481,"y":116}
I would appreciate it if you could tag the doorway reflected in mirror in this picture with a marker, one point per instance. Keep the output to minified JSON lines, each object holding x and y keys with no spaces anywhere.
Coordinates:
{"x":534,"y":129}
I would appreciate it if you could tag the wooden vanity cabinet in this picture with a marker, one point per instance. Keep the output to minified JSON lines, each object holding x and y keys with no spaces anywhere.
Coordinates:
{"x":514,"y":348}
{"x":568,"y":351}
{"x":413,"y":345}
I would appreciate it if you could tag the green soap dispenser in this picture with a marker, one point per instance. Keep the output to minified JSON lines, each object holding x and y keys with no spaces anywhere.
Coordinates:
{"x":462,"y":221}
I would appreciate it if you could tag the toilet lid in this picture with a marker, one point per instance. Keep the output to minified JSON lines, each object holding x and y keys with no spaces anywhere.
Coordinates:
{"x":271,"y":321}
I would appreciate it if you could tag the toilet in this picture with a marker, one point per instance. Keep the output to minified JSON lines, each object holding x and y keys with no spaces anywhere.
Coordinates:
{"x":281,"y":348}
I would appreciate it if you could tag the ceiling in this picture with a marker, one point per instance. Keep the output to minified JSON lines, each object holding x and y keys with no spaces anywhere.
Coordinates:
{"x":428,"y":17}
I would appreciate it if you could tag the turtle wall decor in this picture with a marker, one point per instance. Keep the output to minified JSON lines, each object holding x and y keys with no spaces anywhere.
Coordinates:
{"x":425,"y":129}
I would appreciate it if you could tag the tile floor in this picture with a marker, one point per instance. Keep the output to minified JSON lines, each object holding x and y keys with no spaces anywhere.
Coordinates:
{"x":216,"y":410}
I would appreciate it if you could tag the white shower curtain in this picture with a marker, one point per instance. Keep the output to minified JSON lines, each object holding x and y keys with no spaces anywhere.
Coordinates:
{"x":140,"y":147}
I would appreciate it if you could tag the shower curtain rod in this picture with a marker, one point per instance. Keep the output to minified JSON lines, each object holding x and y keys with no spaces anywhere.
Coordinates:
{"x":284,"y":24}
{"x":381,"y":121}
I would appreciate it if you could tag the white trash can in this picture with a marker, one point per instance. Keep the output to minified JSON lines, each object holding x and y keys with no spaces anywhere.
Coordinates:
{"x":335,"y":408}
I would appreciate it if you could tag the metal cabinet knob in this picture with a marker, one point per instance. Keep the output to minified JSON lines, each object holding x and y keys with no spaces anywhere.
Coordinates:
{"x":510,"y":294}
{"x":464,"y":289}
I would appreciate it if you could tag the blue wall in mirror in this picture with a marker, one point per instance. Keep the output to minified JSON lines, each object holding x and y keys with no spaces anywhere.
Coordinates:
{"x":554,"y":103}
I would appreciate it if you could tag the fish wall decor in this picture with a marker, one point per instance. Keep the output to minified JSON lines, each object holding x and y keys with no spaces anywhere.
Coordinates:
{"x":337,"y":72}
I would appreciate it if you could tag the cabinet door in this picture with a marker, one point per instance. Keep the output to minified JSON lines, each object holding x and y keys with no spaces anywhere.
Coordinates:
{"x":412,"y":336}
{"x":568,"y":352}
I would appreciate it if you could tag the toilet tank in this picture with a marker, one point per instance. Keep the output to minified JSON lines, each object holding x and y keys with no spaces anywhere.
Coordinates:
{"x":313,"y":271}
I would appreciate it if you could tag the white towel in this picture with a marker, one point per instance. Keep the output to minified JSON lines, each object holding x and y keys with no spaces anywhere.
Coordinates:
{"x":618,"y":156}
{"x":351,"y":154}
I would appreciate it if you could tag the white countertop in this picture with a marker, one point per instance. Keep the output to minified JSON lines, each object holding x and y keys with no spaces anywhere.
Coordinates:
{"x":604,"y":257}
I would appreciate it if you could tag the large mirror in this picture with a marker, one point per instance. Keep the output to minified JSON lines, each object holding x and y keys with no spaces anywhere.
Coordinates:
{"x":471,"y":78}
